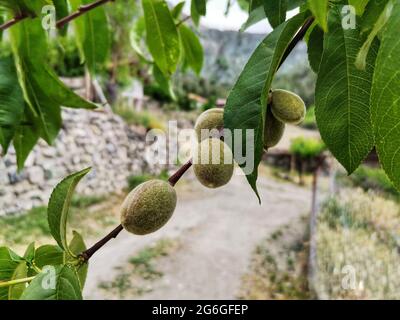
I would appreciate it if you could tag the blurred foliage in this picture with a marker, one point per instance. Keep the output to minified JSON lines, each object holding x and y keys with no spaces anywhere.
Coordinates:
{"x":358,"y":240}
{"x":142,"y":118}
{"x":310,"y":121}
{"x":370,"y":179}
{"x":135,"y":180}
{"x":65,"y":58}
{"x":307,"y":147}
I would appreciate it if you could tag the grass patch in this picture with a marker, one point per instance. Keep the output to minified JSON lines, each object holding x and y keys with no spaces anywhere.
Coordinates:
{"x":135,"y":180}
{"x":137,"y":277}
{"x":33,"y":226}
{"x":369,"y":178}
{"x":278,"y":267}
{"x":358,"y":245}
{"x":143,"y":118}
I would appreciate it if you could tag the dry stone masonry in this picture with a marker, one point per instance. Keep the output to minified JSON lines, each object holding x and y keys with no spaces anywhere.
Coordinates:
{"x":101,"y":140}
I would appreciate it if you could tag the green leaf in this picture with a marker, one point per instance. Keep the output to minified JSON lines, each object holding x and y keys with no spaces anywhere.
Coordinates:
{"x":11,"y":101}
{"x":54,"y":283}
{"x":77,"y":246}
{"x":15,"y":291}
{"x":343,"y":95}
{"x":192,"y":48}
{"x":315,"y":47}
{"x":161,"y":35}
{"x":359,"y":5}
{"x":385,"y":98}
{"x":163,"y":82}
{"x":244,"y":108}
{"x":201,"y":7}
{"x":275,"y":10}
{"x":9,"y":270}
{"x":61,"y":12}
{"x":25,"y":138}
{"x":255,"y":16}
{"x":177,"y":10}
{"x":92,"y":35}
{"x":49,"y":255}
{"x":361,"y":60}
{"x":319,"y":9}
{"x":43,"y":90}
{"x":372,"y":14}
{"x":58,"y":208}
{"x":194,"y":13}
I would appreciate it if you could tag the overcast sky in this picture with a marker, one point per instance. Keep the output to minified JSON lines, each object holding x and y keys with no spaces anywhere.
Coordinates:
{"x":216,"y":18}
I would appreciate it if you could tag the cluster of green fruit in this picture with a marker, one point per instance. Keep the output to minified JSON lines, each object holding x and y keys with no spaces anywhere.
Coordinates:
{"x":151,"y":204}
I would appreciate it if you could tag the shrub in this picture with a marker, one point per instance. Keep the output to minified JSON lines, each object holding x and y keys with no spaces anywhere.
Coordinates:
{"x":144,"y":118}
{"x":307,"y":147}
{"x":309,"y":121}
{"x":135,"y":180}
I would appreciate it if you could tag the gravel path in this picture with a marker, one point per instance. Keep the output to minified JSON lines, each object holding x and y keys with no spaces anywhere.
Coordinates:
{"x":219,"y":229}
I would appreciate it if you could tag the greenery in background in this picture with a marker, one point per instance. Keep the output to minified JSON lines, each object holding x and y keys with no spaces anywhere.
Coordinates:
{"x":65,"y":59}
{"x":370,"y":179}
{"x":138,"y":118}
{"x":307,"y":147}
{"x":310,"y":121}
{"x":135,"y":180}
{"x":360,"y":230}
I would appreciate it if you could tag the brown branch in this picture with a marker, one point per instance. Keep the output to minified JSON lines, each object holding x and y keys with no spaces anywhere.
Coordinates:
{"x":13,"y":21}
{"x":297,"y":38}
{"x":178,"y":174}
{"x":81,"y":10}
{"x":62,"y":22}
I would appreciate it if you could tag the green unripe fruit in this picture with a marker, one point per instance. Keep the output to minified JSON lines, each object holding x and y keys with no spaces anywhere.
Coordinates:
{"x":287,"y":107}
{"x":208,"y":120}
{"x":148,"y":207}
{"x":209,"y":163}
{"x":273,"y":131}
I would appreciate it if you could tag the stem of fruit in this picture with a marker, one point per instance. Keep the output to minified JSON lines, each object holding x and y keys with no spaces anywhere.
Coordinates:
{"x":86,"y":255}
{"x":14,"y":282}
{"x":62,"y":22}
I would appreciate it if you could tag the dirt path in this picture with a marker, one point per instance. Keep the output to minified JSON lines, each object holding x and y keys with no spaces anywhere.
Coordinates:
{"x":219,"y":230}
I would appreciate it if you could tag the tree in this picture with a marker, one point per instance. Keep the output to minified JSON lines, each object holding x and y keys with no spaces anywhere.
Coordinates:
{"x":353,"y":47}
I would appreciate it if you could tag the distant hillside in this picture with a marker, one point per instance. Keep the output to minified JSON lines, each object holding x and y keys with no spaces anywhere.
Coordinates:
{"x":226,"y":53}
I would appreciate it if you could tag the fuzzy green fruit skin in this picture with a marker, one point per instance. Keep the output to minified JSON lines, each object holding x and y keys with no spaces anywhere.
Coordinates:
{"x":274,"y":130}
{"x":148,"y":207}
{"x":213,"y":175}
{"x":210,"y":119}
{"x":288,"y":107}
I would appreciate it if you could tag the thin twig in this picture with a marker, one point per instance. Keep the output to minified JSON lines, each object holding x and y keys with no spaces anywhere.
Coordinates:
{"x":179,"y":173}
{"x":13,"y":21}
{"x":183,"y":20}
{"x":81,"y":10}
{"x":62,"y":22}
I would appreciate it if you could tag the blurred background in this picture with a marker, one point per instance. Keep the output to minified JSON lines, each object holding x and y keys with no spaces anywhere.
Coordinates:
{"x":317,"y":234}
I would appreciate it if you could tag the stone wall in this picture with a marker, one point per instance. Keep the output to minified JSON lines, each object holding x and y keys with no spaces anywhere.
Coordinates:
{"x":98,"y":139}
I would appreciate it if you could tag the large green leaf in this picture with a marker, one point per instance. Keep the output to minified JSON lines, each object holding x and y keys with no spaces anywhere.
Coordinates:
{"x":343,"y":94}
{"x":49,"y":255}
{"x":201,"y":6}
{"x":275,"y":10}
{"x":161,"y":35}
{"x":11,"y":101}
{"x":194,"y":13}
{"x":61,"y":12}
{"x":92,"y":35}
{"x":244,"y":108}
{"x":255,"y":16}
{"x":43,"y":90}
{"x":359,"y":5}
{"x":315,"y":47}
{"x":58,"y":208}
{"x":372,"y":13}
{"x":54,"y":283}
{"x":192,"y":48}
{"x":385,"y":98}
{"x":10,"y":269}
{"x":319,"y":8}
